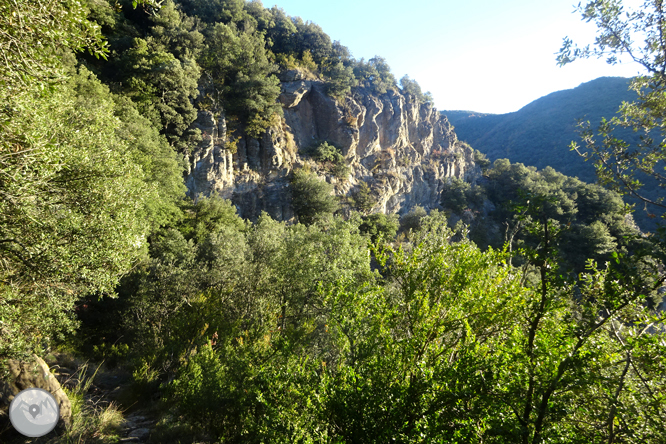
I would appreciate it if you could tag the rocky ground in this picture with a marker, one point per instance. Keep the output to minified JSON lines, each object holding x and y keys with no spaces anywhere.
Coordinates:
{"x":103,"y":407}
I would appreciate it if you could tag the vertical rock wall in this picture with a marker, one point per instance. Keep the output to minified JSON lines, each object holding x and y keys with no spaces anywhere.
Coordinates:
{"x":404,"y":150}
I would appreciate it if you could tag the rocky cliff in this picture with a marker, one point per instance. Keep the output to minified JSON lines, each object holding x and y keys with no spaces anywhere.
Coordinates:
{"x":404,"y":150}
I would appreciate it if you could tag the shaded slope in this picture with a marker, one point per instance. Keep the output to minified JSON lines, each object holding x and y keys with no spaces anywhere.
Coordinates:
{"x":539,"y":134}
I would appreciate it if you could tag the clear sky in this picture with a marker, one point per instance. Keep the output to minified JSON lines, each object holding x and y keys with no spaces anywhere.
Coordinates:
{"x":491,"y":56}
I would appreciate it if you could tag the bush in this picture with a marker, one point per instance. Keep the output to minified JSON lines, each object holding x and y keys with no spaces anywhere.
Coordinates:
{"x":412,"y":220}
{"x":311,"y":197}
{"x":363,"y":198}
{"x":332,"y":157}
{"x":454,"y":195}
{"x":380,"y":225}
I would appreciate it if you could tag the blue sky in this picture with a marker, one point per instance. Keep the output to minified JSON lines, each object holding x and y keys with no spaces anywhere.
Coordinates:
{"x":491,"y":56}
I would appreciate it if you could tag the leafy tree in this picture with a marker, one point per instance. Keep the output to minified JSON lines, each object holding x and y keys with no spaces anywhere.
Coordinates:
{"x":341,"y":53}
{"x":414,"y":363}
{"x":34,"y":30}
{"x":454,"y":195}
{"x":207,"y":215}
{"x":242,"y":76}
{"x":375,"y":74}
{"x":481,"y":160}
{"x":162,"y":166}
{"x":162,"y":86}
{"x":313,"y":40}
{"x":72,"y":214}
{"x":213,"y":11}
{"x":380,"y":225}
{"x":568,"y":336}
{"x":332,"y":156}
{"x":177,"y":32}
{"x":363,"y":199}
{"x":412,"y":220}
{"x":311,"y":197}
{"x":636,"y":34}
{"x":595,"y":221}
{"x":412,"y":87}
{"x":283,"y":33}
{"x":341,"y":79}
{"x":263,"y":17}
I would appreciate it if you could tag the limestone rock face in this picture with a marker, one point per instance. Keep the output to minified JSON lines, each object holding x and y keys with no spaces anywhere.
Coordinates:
{"x":32,"y":374}
{"x":404,"y":150}
{"x":211,"y":165}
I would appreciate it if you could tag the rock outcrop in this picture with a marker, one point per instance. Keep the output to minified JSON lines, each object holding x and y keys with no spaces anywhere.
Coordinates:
{"x":32,"y":374}
{"x":405,"y":151}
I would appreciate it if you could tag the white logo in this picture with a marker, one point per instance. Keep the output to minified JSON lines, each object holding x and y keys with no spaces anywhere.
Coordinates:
{"x":34,"y":412}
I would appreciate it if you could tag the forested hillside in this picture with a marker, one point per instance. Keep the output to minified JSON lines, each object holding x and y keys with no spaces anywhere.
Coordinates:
{"x":540,"y":133}
{"x":349,"y":273}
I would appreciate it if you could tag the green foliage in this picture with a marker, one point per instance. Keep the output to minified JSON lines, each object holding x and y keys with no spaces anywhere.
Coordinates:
{"x":162,"y":167}
{"x":312,"y":39}
{"x":363,"y":199}
{"x":90,"y":422}
{"x":413,"y":344}
{"x":242,"y":76}
{"x":540,"y":133}
{"x":33,"y":31}
{"x":412,"y":220}
{"x":275,"y":332}
{"x":380,"y":225}
{"x":332,"y":157}
{"x":162,"y":86}
{"x":72,"y":214}
{"x":481,"y":160}
{"x":84,"y":176}
{"x":282,"y":32}
{"x":293,"y":336}
{"x":213,"y":11}
{"x":412,"y":88}
{"x":341,"y":80}
{"x":375,"y":74}
{"x":454,"y":195}
{"x":209,"y":214}
{"x":312,"y":198}
{"x":594,"y":221}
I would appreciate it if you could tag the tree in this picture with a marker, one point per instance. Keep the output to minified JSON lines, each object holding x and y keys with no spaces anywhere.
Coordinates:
{"x":242,"y":76}
{"x":565,"y":377}
{"x":415,"y":348}
{"x":380,"y":225}
{"x":412,"y":87}
{"x":412,"y":220}
{"x":312,"y":39}
{"x":162,"y":86}
{"x":637,"y":34}
{"x":33,"y":31}
{"x":282,"y":33}
{"x":312,"y":198}
{"x":72,"y":218}
{"x":212,"y":11}
{"x":73,"y":205}
{"x":363,"y":198}
{"x":341,"y":80}
{"x":375,"y":74}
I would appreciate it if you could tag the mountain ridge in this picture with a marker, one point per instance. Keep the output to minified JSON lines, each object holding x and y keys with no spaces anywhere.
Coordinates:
{"x":540,"y":133}
{"x":548,"y":122}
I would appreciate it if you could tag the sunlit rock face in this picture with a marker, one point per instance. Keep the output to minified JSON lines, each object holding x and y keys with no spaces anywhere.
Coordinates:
{"x":404,"y":150}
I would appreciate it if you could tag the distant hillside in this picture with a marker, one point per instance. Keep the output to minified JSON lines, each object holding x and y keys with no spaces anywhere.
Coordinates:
{"x":539,"y":134}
